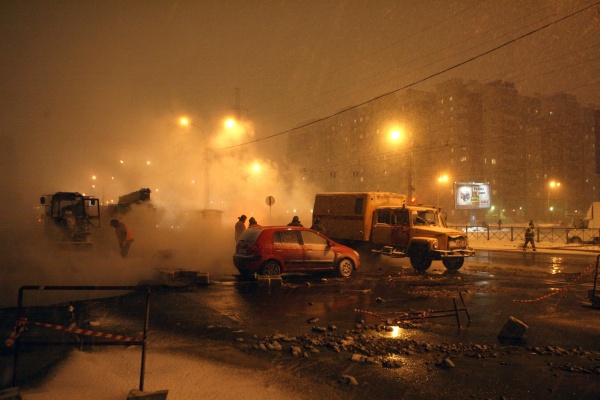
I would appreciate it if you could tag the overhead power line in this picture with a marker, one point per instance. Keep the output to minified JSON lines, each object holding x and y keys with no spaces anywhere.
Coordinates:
{"x":443,"y":71}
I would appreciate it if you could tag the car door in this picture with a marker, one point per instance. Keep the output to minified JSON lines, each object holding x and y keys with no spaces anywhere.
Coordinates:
{"x":318,"y":254}
{"x":287,"y":247}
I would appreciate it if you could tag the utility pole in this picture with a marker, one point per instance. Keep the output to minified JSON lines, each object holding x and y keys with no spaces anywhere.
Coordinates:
{"x":237,"y":108}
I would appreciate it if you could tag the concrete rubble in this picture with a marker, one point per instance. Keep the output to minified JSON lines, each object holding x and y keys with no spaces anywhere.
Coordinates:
{"x":369,"y":344}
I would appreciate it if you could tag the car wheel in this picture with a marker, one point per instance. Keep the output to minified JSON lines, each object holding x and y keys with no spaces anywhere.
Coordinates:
{"x":453,"y":264}
{"x":270,"y":268}
{"x":345,"y":267}
{"x":420,"y":259}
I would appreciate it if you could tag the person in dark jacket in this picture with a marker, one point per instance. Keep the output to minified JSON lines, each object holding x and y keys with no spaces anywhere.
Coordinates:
{"x":253,"y":223}
{"x":529,"y":236}
{"x":295,"y":221}
{"x":240,"y":227}
{"x":316,"y":226}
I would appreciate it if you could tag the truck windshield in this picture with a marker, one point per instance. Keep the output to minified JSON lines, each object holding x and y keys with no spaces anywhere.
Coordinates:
{"x":425,"y":218}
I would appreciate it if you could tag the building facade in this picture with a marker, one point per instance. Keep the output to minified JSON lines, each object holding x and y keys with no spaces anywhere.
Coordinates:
{"x":537,"y":153}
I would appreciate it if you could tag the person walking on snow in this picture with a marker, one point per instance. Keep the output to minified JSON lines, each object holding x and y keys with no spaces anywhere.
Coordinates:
{"x":240,"y":227}
{"x":529,"y":236}
{"x":124,"y":236}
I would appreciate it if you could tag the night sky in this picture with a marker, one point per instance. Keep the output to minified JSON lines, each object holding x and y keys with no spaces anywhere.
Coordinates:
{"x":94,"y":88}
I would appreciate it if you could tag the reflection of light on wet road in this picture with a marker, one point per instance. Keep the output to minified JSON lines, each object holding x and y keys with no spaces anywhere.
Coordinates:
{"x":556,"y":265}
{"x":393,"y":332}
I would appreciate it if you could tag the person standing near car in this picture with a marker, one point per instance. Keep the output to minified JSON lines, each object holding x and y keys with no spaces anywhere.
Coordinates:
{"x":316,"y":226}
{"x":240,"y":227}
{"x":253,"y":223}
{"x":124,"y":236}
{"x":295,"y":221}
{"x":529,"y":236}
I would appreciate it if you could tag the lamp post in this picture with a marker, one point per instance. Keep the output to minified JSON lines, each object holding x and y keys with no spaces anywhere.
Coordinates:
{"x":551,"y":185}
{"x":442,"y":179}
{"x":185,"y":121}
{"x":397,"y":135}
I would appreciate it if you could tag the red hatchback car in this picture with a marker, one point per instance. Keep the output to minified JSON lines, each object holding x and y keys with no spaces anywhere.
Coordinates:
{"x":273,"y":250}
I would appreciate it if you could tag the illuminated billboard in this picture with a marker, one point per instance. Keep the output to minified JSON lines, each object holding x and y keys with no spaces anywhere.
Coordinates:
{"x":471,"y":195}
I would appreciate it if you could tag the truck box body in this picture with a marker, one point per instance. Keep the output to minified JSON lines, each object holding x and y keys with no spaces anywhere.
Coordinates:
{"x":592,"y":218}
{"x":348,"y":215}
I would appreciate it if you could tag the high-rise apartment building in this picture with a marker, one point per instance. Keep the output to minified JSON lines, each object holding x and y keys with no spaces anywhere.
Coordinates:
{"x":537,"y":153}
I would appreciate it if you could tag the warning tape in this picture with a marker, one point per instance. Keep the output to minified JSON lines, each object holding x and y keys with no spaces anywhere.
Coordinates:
{"x":20,"y":327}
{"x":561,"y":290}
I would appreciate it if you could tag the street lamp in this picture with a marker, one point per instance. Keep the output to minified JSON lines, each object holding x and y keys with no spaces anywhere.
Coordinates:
{"x":551,"y":185}
{"x":397,"y":135}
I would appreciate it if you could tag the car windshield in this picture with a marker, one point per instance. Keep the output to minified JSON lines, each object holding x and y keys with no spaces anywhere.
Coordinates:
{"x":250,"y":235}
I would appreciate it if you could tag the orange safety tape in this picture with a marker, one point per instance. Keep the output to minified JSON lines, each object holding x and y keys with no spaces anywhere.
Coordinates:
{"x":561,"y":290}
{"x":21,"y":326}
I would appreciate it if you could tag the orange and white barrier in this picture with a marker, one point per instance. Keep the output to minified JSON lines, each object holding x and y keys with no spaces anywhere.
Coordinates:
{"x":20,"y":327}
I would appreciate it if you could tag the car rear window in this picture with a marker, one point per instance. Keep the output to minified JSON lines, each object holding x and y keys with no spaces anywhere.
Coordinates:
{"x":250,"y":235}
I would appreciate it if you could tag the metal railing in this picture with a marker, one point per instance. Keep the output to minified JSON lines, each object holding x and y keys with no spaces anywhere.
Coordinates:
{"x":554,"y":235}
{"x":141,"y":341}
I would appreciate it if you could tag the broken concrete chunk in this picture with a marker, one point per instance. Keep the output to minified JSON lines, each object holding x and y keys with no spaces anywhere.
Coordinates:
{"x":513,"y":329}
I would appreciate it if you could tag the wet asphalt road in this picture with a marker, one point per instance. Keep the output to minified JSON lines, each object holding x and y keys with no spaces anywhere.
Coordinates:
{"x":493,"y":286}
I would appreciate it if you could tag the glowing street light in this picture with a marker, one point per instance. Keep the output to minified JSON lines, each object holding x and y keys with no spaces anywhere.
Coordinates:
{"x":551,"y":185}
{"x":230,"y":123}
{"x":442,"y":180}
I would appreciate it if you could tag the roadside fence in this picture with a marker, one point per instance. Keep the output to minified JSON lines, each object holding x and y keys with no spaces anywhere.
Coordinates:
{"x":554,"y":235}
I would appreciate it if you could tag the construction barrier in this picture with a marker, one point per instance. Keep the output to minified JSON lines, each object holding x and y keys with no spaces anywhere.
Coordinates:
{"x":20,"y":327}
{"x":22,"y":322}
{"x":407,"y":316}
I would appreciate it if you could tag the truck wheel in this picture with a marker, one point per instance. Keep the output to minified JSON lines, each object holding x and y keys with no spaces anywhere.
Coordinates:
{"x":345,"y":267}
{"x":420,"y":259}
{"x":453,"y":264}
{"x":271,"y":268}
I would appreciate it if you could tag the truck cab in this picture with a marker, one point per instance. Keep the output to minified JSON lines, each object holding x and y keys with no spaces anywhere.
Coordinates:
{"x":69,"y":216}
{"x":419,"y":232}
{"x":383,"y":223}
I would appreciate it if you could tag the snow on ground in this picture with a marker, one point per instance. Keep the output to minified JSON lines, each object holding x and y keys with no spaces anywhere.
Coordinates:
{"x":113,"y":373}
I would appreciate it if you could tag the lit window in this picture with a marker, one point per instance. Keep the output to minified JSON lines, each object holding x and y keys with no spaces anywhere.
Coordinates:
{"x":493,"y":161}
{"x":463,"y":159}
{"x":385,"y":172}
